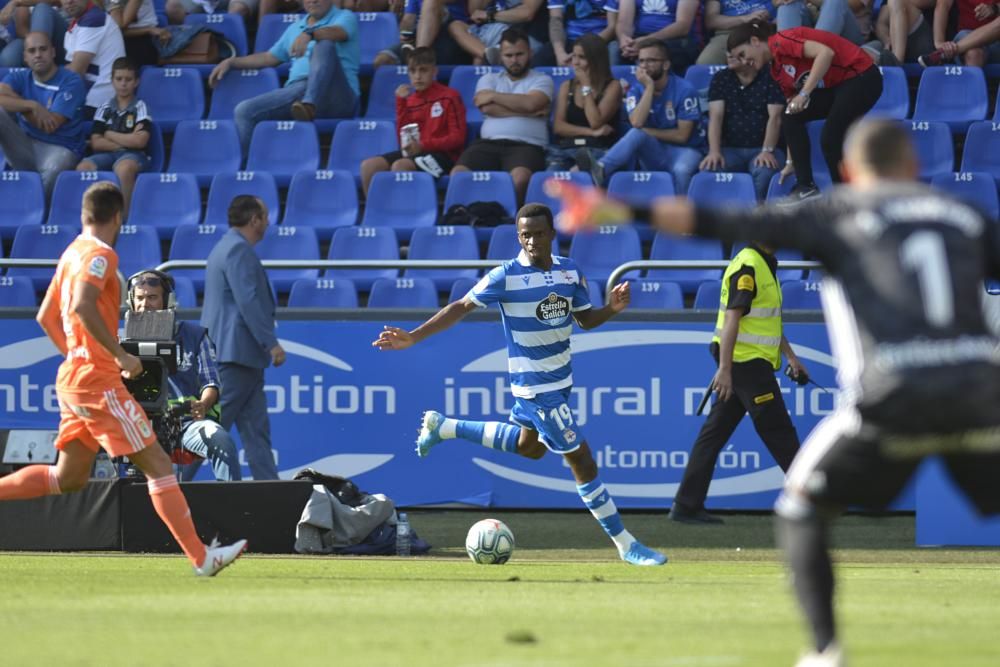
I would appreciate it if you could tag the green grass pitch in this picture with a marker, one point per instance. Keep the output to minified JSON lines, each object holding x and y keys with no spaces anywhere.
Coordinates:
{"x":564,"y":600}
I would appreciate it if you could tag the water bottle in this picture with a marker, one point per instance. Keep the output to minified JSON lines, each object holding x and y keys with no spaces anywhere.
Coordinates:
{"x":402,"y":535}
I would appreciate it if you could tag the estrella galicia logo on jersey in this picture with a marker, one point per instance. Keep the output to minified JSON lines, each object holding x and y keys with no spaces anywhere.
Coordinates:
{"x":553,"y":310}
{"x":98,"y":267}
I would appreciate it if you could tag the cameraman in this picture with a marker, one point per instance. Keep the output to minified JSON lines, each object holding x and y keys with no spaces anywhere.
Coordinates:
{"x":196,"y":380}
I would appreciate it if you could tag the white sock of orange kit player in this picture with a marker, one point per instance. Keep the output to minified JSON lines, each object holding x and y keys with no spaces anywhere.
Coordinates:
{"x":30,"y":482}
{"x":173,"y":509}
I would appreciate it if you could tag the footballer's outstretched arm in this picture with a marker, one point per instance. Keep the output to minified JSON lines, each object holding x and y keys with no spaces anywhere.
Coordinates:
{"x":618,"y":300}
{"x":394,"y":338}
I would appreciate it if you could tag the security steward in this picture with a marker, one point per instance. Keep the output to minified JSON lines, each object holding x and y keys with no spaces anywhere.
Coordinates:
{"x":747,"y":346}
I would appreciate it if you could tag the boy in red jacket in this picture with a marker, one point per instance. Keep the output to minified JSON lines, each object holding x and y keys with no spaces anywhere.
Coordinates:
{"x":439,"y":116}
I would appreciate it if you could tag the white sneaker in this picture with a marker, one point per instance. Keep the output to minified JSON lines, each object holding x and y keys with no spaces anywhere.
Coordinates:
{"x":217,"y":557}
{"x":831,"y":656}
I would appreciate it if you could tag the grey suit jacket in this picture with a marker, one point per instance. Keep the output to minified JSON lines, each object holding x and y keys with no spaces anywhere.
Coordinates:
{"x":239,"y":307}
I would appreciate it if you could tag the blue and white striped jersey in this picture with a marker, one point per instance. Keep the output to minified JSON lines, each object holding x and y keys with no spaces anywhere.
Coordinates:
{"x":536,"y":307}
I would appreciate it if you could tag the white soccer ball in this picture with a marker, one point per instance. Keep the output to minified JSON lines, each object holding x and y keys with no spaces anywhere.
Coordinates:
{"x":489,"y":542}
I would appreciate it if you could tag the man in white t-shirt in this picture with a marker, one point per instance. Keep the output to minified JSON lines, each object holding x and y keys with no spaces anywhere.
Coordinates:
{"x":515,"y":104}
{"x":93,"y":43}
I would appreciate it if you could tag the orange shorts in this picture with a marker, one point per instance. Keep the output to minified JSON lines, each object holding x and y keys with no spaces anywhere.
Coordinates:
{"x":110,"y":419}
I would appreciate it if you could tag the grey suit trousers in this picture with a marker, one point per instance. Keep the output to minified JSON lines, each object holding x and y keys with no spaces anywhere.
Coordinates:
{"x":243,"y":403}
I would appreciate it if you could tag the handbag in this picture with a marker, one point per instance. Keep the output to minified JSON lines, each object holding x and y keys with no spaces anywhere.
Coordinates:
{"x":202,"y":50}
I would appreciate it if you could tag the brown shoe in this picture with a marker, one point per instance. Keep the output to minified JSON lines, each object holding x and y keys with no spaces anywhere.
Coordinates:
{"x":303,"y":111}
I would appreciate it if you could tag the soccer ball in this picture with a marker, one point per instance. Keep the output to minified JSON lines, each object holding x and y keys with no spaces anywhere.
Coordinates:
{"x":489,"y":542}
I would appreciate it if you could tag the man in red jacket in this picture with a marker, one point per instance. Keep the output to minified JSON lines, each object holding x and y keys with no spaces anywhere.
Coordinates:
{"x":439,"y":116}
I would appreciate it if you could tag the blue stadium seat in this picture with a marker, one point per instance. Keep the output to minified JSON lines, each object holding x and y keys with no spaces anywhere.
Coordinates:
{"x":935,"y":148}
{"x":164,"y":201}
{"x":717,"y":188}
{"x":895,"y":99}
{"x":323,"y":293}
{"x":597,"y":253}
{"x":239,"y":85}
{"x":185,"y":293}
{"x":977,"y":188}
{"x":354,"y":141}
{"x":685,"y":247}
{"x":283,"y":147}
{"x":138,"y":248}
{"x":700,"y":76}
{"x":40,"y":242}
{"x":443,"y":242}
{"x":466,"y":187}
{"x":17,"y":292}
{"x":708,"y":295}
{"x":782,"y":254}
{"x":67,"y":196}
{"x":3,"y":158}
{"x":230,"y":26}
{"x":595,"y":290}
{"x":639,"y":188}
{"x":402,"y":200}
{"x":382,"y":94}
{"x":363,"y":243}
{"x":953,"y":95}
{"x":205,"y":148}
{"x":536,"y":192}
{"x":503,"y":243}
{"x":157,"y":151}
{"x":820,"y":169}
{"x":464,"y":80}
{"x":195,"y":242}
{"x":172,"y":94}
{"x":376,"y":31}
{"x":271,"y":27}
{"x":403,"y":293}
{"x":800,"y":295}
{"x":624,"y":73}
{"x":227,"y":186}
{"x":982,"y":149}
{"x":658,"y":294}
{"x":323,"y":200}
{"x":289,"y":242}
{"x":460,"y":288}
{"x":23,"y":201}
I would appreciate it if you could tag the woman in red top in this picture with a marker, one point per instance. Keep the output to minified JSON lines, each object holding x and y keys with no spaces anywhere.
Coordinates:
{"x":823,"y":76}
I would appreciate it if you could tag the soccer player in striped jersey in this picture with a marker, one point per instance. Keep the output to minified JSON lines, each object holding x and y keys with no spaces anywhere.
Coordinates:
{"x":539,"y":295}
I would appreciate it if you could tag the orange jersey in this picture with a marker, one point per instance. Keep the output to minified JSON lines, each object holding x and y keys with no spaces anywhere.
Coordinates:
{"x":88,"y":366}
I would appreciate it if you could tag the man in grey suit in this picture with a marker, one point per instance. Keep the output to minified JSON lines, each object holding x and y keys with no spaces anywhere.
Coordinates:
{"x":239,"y":315}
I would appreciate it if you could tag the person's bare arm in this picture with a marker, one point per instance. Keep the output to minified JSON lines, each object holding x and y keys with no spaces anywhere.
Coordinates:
{"x":525,"y":104}
{"x":252,"y":61}
{"x":942,"y":8}
{"x":135,"y":140}
{"x":84,"y":306}
{"x":679,"y":135}
{"x":714,"y":160}
{"x":50,"y":320}
{"x":686,"y":11}
{"x":640,"y":114}
{"x":523,"y":13}
{"x":101,"y":144}
{"x":331,"y":34}
{"x":722,"y":383}
{"x":395,"y":338}
{"x":603,"y":113}
{"x":618,"y":300}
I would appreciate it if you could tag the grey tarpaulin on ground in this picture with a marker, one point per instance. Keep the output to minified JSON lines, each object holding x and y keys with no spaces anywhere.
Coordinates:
{"x":327,"y":524}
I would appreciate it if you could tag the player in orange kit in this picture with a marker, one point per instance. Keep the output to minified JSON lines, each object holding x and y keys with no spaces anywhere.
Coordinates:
{"x":80,"y":314}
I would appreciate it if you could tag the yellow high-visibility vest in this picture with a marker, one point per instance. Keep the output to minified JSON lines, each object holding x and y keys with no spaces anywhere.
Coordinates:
{"x":759,"y":335}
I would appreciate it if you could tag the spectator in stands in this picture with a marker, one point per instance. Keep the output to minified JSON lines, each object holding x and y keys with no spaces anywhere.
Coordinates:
{"x":439,"y":115}
{"x":823,"y":77}
{"x":41,"y":126}
{"x":239,"y":314}
{"x":488,"y":19}
{"x":93,"y":43}
{"x":669,"y":21}
{"x":744,"y":124}
{"x":902,"y":28}
{"x":984,"y":36}
{"x":26,"y":16}
{"x":140,"y":29}
{"x":572,"y":19}
{"x":196,"y":382}
{"x":587,"y":106}
{"x":415,"y":31}
{"x":665,"y":115}
{"x":972,"y":14}
{"x":177,"y":10}
{"x":516,"y":105}
{"x":323,"y":80}
{"x":721,"y":16}
{"x":120,"y":134}
{"x":850,"y":19}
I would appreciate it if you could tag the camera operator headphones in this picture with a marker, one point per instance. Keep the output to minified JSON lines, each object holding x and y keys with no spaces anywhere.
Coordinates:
{"x":155,"y":279}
